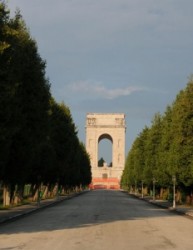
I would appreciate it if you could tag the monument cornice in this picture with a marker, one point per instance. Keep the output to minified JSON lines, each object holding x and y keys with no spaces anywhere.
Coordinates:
{"x":105,"y":126}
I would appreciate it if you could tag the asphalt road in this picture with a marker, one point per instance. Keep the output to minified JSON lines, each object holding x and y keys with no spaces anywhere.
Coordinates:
{"x":99,"y":220}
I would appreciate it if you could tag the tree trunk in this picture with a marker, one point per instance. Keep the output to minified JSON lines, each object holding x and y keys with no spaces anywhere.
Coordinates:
{"x":45,"y":194}
{"x":6,"y":196}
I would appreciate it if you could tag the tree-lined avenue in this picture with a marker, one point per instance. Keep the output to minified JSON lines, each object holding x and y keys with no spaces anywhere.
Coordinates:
{"x":100,"y":219}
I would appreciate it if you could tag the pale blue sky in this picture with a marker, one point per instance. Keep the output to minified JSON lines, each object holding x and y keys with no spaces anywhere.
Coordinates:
{"x":128,"y":56}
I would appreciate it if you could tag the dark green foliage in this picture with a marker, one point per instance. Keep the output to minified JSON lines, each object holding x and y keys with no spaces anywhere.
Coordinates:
{"x":72,"y":164}
{"x":25,"y":97}
{"x":165,"y":149}
{"x":38,"y":139}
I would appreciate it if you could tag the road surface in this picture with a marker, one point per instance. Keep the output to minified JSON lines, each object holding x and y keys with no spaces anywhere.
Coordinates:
{"x":99,"y":220}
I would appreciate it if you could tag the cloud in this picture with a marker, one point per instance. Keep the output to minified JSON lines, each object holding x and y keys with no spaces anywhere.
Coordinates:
{"x":97,"y":89}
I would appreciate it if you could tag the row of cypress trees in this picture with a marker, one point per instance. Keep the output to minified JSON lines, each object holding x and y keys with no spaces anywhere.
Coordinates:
{"x":38,"y":138}
{"x":165,"y":149}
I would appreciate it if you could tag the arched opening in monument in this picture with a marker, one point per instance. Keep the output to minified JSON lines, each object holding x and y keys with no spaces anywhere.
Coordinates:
{"x":105,"y":149}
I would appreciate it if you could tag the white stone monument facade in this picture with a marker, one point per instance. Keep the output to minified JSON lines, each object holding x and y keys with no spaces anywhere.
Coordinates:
{"x":106,"y":126}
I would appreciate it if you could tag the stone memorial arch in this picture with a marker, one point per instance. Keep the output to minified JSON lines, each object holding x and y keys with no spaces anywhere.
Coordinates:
{"x":109,"y":126}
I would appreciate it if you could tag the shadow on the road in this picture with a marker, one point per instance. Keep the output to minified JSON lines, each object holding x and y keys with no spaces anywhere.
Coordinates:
{"x":91,"y":209}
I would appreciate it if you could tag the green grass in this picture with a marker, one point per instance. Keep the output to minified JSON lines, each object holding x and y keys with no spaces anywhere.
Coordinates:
{"x":4,"y":207}
{"x":24,"y":202}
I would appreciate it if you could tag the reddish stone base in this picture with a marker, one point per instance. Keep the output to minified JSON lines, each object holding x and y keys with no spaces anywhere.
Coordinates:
{"x":109,"y":183}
